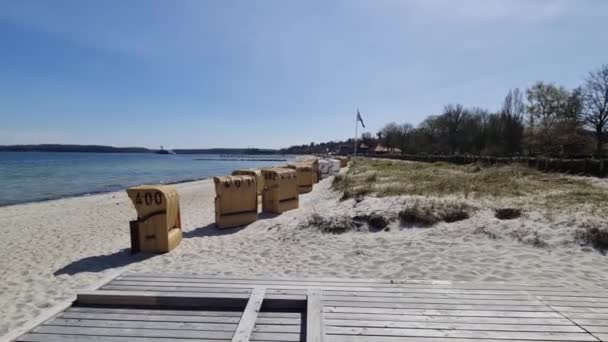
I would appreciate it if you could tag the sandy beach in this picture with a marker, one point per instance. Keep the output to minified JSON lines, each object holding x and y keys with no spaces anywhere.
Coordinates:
{"x":52,"y":249}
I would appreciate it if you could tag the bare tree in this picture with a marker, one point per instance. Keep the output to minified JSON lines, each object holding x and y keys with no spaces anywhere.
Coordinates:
{"x":367,"y":139}
{"x":511,"y":123}
{"x":546,"y":103}
{"x":595,"y":105}
{"x":453,"y":118}
{"x":389,"y":135}
{"x":405,"y":137}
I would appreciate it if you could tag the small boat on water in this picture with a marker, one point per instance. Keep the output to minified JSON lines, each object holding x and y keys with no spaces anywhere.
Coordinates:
{"x":163,"y":151}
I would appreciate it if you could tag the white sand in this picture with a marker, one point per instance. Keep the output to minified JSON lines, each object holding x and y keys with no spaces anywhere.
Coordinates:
{"x":52,"y":249}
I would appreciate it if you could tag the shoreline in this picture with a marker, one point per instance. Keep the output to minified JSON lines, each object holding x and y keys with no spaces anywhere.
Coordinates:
{"x":100,"y":192}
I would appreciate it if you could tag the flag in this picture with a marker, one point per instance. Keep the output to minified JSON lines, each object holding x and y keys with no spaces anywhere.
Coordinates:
{"x":360,"y":119}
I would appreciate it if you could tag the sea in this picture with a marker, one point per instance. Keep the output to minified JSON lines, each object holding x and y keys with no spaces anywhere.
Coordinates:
{"x":38,"y":176}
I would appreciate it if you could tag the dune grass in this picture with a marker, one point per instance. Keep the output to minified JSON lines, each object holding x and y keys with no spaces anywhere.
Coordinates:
{"x":378,"y":177}
{"x":428,"y":213}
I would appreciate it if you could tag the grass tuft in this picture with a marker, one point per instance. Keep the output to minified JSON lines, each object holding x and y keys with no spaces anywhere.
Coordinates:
{"x":507,"y":213}
{"x":427,"y":214}
{"x":593,"y":233}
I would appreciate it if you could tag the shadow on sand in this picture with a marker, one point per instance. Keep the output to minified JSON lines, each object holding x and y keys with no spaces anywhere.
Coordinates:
{"x":100,"y":263}
{"x":123,"y":257}
{"x":212,"y":230}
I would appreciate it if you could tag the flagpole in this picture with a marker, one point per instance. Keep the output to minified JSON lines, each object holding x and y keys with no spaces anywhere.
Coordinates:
{"x":356,"y":135}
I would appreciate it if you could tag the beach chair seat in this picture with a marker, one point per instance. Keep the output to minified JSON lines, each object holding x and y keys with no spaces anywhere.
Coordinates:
{"x":236,"y":200}
{"x":280,"y":190}
{"x":304,"y":175}
{"x":334,"y":167}
{"x":324,"y":166}
{"x":343,"y":161}
{"x":315,"y":168}
{"x":257,"y":173}
{"x":158,"y":225}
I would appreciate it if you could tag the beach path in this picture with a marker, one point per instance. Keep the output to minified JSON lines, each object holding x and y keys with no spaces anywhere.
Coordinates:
{"x":178,"y":307}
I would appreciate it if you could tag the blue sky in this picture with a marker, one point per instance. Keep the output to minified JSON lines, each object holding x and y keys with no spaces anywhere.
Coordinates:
{"x":271,"y":73}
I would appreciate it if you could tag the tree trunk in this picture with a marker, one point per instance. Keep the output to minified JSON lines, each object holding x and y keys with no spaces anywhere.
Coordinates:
{"x":599,"y":143}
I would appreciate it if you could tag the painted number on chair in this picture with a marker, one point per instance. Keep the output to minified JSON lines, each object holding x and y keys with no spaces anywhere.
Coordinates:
{"x":149,"y":198}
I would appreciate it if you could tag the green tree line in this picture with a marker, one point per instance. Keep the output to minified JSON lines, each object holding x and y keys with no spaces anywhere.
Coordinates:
{"x":544,"y":120}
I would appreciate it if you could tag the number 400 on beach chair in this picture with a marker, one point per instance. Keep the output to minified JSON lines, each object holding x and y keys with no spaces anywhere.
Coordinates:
{"x":158,"y":225}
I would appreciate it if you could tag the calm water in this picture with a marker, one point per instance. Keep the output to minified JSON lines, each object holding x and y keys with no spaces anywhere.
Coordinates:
{"x":35,"y":176}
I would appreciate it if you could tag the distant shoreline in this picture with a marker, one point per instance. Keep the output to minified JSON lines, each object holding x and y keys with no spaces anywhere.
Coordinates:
{"x":112,"y":149}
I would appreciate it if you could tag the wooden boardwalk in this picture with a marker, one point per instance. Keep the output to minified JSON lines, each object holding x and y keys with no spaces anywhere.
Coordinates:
{"x":139,"y":307}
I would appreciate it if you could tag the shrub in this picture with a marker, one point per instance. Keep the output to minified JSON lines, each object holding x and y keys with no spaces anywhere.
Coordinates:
{"x":416,"y":215}
{"x":332,"y":225}
{"x":507,"y":213}
{"x":454,"y":214}
{"x":428,"y":214}
{"x":594,"y":234}
{"x":371,"y":178}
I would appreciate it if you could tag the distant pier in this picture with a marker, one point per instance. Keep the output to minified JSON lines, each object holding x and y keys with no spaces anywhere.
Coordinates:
{"x":232,"y":157}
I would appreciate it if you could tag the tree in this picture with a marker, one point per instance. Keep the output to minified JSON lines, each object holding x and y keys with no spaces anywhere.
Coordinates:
{"x":390,"y":135}
{"x":511,"y":123}
{"x":595,"y":105}
{"x":570,"y":131}
{"x":546,"y":102}
{"x":367,"y":139}
{"x":453,"y":117}
{"x":405,"y":136}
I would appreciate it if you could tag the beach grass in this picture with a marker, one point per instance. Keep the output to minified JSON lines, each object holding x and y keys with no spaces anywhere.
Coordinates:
{"x":378,"y":177}
{"x":428,"y":213}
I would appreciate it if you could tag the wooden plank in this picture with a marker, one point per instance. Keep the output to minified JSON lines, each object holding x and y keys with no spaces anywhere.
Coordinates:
{"x":215,"y":290}
{"x":345,"y":280}
{"x":274,"y":328}
{"x":428,"y":312}
{"x":503,"y":308}
{"x":597,"y":329}
{"x":160,"y":299}
{"x":565,"y":299}
{"x":315,"y":283}
{"x":532,"y":336}
{"x":515,"y":296}
{"x":34,"y":337}
{"x":176,"y":318}
{"x":95,"y":323}
{"x":353,"y":338}
{"x":247,"y":322}
{"x":149,"y":318}
{"x":472,"y":325}
{"x":282,"y":337}
{"x":592,"y":322}
{"x":138,"y":285}
{"x":124,"y":332}
{"x":584,"y":315}
{"x":142,"y":311}
{"x":314,"y":317}
{"x":434,"y":299}
{"x":602,"y":337}
{"x":203,"y":289}
{"x":586,"y":309}
{"x":446,"y":319}
{"x":412,"y":300}
{"x":214,"y":313}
